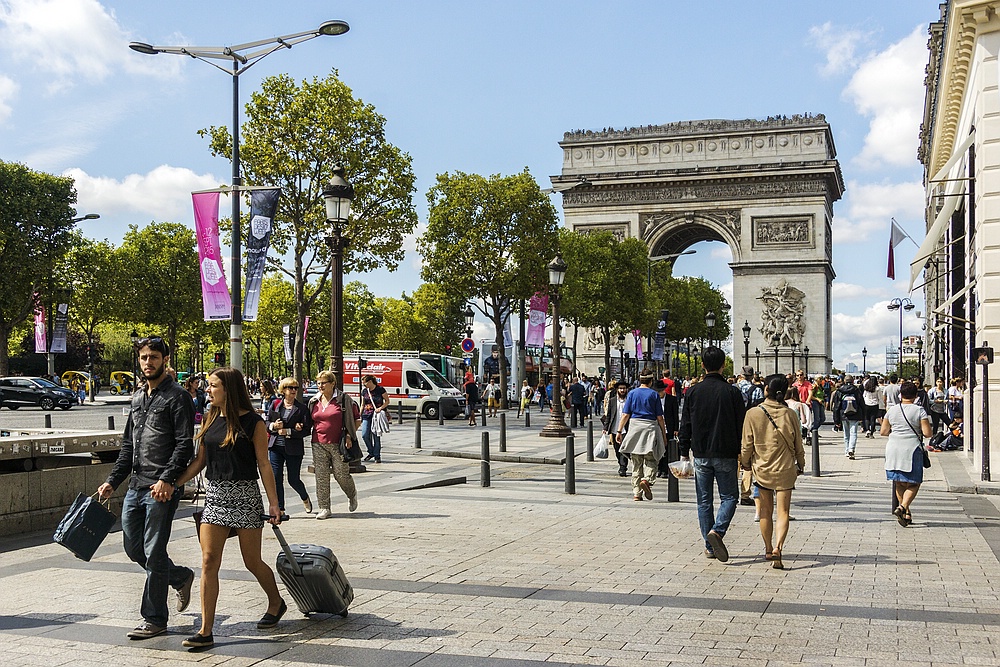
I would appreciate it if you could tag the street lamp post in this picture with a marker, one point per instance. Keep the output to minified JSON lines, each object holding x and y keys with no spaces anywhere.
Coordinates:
{"x":470,"y":318}
{"x":62,"y":295}
{"x":556,"y":427}
{"x":621,"y":356}
{"x":920,"y":359}
{"x":756,"y":352}
{"x":864,"y":360}
{"x":710,"y":323}
{"x":900,"y":305}
{"x":795,"y":349}
{"x":241,"y":56}
{"x":134,"y":337}
{"x":337,"y":196}
{"x":695,"y":351}
{"x":746,"y":344}
{"x":805,"y":354}
{"x":775,"y":340}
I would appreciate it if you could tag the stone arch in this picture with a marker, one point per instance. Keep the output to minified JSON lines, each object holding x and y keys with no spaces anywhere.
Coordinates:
{"x":672,"y":233}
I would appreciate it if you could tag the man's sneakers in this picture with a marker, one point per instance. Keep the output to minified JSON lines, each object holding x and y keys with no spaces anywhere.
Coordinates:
{"x":850,"y":455}
{"x":146,"y":630}
{"x":323,"y":514}
{"x":718,"y":546}
{"x":184,"y":593}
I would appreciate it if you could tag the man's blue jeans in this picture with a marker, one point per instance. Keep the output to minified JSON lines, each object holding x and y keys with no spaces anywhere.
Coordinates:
{"x":373,"y":443}
{"x":708,"y":473}
{"x":146,"y":531}
{"x":850,"y":434}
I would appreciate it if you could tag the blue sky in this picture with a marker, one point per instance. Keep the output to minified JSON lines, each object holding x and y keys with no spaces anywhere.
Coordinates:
{"x":486,"y":87}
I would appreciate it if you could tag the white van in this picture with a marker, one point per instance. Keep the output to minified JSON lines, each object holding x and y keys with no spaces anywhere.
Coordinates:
{"x":406,"y":378}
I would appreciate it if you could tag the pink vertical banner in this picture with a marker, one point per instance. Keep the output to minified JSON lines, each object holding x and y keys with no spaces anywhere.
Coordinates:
{"x":638,"y":344}
{"x":538,"y":308}
{"x":305,"y":331}
{"x":40,"y":338}
{"x":215,"y":298}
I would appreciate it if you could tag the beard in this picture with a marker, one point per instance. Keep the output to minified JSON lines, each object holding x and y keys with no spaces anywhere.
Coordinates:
{"x":155,"y":374}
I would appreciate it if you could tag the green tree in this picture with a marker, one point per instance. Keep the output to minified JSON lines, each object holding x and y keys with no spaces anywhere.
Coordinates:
{"x":489,"y":239}
{"x":36,"y":211}
{"x":293,"y":138}
{"x":276,"y":309}
{"x":443,"y":311}
{"x":96,"y":271}
{"x":605,"y":284}
{"x":161,"y":286}
{"x":401,"y":329}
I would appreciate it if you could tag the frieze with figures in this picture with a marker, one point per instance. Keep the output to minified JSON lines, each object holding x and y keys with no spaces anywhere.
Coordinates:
{"x":684,"y":192}
{"x":770,"y":231}
{"x":618,"y":230}
{"x":649,"y":222}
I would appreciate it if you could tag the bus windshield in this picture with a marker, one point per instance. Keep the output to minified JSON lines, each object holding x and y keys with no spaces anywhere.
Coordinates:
{"x":437,"y":378}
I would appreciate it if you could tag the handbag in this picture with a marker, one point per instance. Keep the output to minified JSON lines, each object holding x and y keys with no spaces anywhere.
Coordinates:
{"x":197,"y":514}
{"x":86,"y":524}
{"x":601,"y":448}
{"x":923,"y":450}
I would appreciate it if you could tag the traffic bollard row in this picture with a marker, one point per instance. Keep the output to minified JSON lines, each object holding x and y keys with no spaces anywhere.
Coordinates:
{"x":416,"y":433}
{"x":570,"y":465}
{"x":503,"y":431}
{"x":484,"y":464}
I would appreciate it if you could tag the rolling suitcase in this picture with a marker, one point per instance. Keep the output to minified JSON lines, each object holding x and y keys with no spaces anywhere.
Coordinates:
{"x":313,"y":577}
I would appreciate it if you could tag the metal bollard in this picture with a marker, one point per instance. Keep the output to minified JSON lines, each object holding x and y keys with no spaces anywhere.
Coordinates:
{"x":416,"y":433}
{"x":527,"y":419}
{"x":111,"y":422}
{"x":440,"y":415}
{"x":572,"y":417}
{"x":814,"y":436}
{"x":590,"y":441}
{"x":484,"y":463}
{"x":503,"y":431}
{"x":483,"y":413}
{"x":400,"y":411}
{"x":673,"y":487}
{"x":570,"y":465}
{"x":48,"y":421}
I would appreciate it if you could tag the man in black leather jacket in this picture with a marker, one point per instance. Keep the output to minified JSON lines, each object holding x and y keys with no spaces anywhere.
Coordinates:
{"x":156,"y":448}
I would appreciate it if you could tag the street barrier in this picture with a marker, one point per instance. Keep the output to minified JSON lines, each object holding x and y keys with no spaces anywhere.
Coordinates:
{"x":590,"y":441}
{"x":503,"y":431}
{"x":570,"y":466}
{"x":484,"y":464}
{"x":814,"y":436}
{"x":416,"y":433}
{"x":673,"y":487}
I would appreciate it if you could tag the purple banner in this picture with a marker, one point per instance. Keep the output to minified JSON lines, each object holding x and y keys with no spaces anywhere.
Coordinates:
{"x":40,"y":342}
{"x":638,"y":344}
{"x":216,"y":302}
{"x":534,"y":335}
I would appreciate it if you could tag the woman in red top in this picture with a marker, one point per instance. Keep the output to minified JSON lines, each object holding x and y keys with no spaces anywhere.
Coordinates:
{"x":334,"y":441}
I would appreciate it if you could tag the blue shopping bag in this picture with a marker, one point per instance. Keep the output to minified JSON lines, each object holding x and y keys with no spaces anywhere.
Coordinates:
{"x":85,"y":526}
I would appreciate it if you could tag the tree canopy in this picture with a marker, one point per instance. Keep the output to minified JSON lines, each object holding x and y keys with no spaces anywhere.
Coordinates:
{"x":293,"y":138}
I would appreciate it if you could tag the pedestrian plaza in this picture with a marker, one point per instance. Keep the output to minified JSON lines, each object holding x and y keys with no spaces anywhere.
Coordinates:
{"x":521,"y":573}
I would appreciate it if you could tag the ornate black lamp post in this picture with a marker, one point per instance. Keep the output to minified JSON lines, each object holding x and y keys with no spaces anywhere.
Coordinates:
{"x":337,"y":195}
{"x":795,"y":349}
{"x":134,"y":337}
{"x":556,"y":428}
{"x":920,"y":359}
{"x":470,"y":317}
{"x":756,"y":352}
{"x":805,"y":352}
{"x":864,"y":360}
{"x":621,"y":355}
{"x":710,"y":323}
{"x":746,"y":343}
{"x":695,"y":351}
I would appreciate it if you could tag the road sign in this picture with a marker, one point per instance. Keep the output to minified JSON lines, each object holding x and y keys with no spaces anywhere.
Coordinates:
{"x":468,"y":345}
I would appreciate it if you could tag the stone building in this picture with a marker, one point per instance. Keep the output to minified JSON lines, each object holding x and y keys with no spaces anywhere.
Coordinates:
{"x":958,"y":264}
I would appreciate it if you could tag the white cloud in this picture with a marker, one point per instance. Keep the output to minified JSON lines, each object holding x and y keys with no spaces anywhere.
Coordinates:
{"x":72,"y":39}
{"x":871,"y":205}
{"x":839,"y":45}
{"x":843,"y":290}
{"x":164,"y":194}
{"x":888,"y":87}
{"x":875,"y":330}
{"x":8,"y":91}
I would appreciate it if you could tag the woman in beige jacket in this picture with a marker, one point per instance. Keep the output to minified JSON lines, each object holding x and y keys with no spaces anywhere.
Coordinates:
{"x":772,"y":448}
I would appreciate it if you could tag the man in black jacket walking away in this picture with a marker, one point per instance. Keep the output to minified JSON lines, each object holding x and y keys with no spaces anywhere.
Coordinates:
{"x":711,"y":427}
{"x":156,"y":449}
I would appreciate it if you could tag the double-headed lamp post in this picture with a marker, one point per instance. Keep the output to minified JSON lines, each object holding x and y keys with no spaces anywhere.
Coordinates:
{"x":746,"y":343}
{"x":900,"y":305}
{"x":242,"y":57}
{"x":337,"y":195}
{"x":556,"y":427}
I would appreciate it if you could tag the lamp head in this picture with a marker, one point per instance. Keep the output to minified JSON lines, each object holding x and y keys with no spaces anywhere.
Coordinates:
{"x":142,"y":47}
{"x":470,"y":316}
{"x":908,"y":307}
{"x":893,"y":306}
{"x":333,"y":28}
{"x":710,"y":319}
{"x":338,"y":195}
{"x":557,"y":271}
{"x":864,"y":352}
{"x":746,"y":330}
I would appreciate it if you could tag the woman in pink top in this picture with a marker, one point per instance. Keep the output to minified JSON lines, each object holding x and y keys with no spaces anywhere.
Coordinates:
{"x":334,"y":441}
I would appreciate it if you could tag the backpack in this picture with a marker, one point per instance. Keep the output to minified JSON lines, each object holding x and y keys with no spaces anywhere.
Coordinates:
{"x":752,"y":396}
{"x":848,"y":405}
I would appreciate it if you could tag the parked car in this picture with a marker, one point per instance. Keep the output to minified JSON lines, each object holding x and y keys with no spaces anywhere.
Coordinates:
{"x":16,"y":392}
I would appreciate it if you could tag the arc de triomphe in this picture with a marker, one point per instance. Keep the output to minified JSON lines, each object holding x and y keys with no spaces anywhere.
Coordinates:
{"x":763,"y":187}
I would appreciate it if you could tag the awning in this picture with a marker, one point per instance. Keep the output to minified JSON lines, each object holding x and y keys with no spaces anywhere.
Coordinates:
{"x":955,"y":297}
{"x":953,"y":194}
{"x":956,"y":155}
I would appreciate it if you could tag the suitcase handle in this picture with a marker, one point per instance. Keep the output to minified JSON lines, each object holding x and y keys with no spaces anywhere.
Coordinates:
{"x":294,"y":564}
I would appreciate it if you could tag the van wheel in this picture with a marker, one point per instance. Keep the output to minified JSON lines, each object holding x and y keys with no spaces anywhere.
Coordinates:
{"x":431,"y":411}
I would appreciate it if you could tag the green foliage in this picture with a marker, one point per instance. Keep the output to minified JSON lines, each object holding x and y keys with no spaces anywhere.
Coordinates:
{"x":36,"y":211}
{"x":161,"y":284}
{"x":687,"y":299}
{"x":606,"y":280}
{"x":443,"y":311}
{"x":294,"y":136}
{"x":96,"y":270}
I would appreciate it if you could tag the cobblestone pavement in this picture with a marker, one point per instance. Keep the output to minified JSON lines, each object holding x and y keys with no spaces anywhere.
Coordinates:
{"x":521,"y":573}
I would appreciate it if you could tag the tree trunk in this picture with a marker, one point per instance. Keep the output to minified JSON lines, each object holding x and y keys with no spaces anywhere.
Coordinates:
{"x":4,"y":341}
{"x":606,"y":335}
